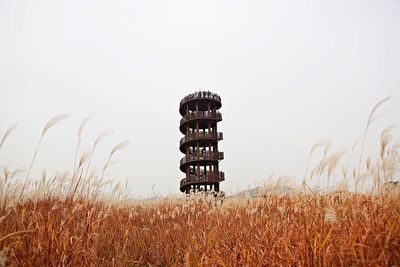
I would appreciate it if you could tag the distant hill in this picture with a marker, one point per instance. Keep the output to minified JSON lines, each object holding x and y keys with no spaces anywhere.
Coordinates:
{"x":260,"y":191}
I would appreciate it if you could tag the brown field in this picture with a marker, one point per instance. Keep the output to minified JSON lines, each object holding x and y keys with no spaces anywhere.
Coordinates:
{"x":68,"y":219}
{"x":337,"y":229}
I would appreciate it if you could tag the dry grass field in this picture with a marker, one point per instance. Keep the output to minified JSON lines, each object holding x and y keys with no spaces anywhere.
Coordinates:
{"x":337,"y":229}
{"x":68,"y":220}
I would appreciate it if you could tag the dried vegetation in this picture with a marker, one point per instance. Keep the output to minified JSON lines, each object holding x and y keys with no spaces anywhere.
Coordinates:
{"x":67,"y":219}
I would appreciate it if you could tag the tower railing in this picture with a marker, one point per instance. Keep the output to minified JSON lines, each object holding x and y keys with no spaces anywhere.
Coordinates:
{"x":200,"y":95}
{"x":201,"y":115}
{"x":204,"y":177}
{"x":213,"y":155}
{"x":193,"y":136}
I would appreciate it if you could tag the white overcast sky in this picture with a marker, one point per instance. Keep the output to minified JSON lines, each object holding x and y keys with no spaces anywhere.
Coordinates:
{"x":289,"y":73}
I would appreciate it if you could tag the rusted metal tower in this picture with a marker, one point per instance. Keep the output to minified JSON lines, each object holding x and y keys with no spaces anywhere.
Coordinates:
{"x":200,"y":143}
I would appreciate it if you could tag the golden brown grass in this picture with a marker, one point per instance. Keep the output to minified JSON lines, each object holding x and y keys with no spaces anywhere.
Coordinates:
{"x":337,"y":229}
{"x":46,"y":128}
{"x":68,"y":220}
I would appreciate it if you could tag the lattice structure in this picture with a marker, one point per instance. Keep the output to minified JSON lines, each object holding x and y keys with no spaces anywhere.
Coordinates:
{"x":200,"y":143}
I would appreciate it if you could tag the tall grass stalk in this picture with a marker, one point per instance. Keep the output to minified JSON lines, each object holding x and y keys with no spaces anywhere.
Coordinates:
{"x":322,"y":142}
{"x":80,"y":130}
{"x":47,"y":127}
{"x":7,"y":134}
{"x":98,"y":140}
{"x":85,"y":156}
{"x":373,"y":116}
{"x":109,"y":162}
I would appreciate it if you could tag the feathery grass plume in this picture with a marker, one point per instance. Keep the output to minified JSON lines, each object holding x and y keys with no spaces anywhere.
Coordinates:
{"x":7,"y":134}
{"x":98,"y":140}
{"x":373,"y":116}
{"x":53,"y":122}
{"x":85,"y":156}
{"x":344,"y":173}
{"x":330,"y":216}
{"x":6,"y":186}
{"x":57,"y":188}
{"x":118,"y":147}
{"x":389,"y":166}
{"x":108,"y":164}
{"x":46,"y":128}
{"x":395,"y":148}
{"x":386,"y":138}
{"x":334,"y":160}
{"x":358,"y":139}
{"x":10,"y":174}
{"x":328,"y":165}
{"x":322,"y":142}
{"x":101,"y":137}
{"x":326,"y":148}
{"x":80,"y":130}
{"x":326,"y":145}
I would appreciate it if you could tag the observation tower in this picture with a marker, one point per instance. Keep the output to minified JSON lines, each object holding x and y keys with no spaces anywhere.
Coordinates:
{"x":200,"y":143}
